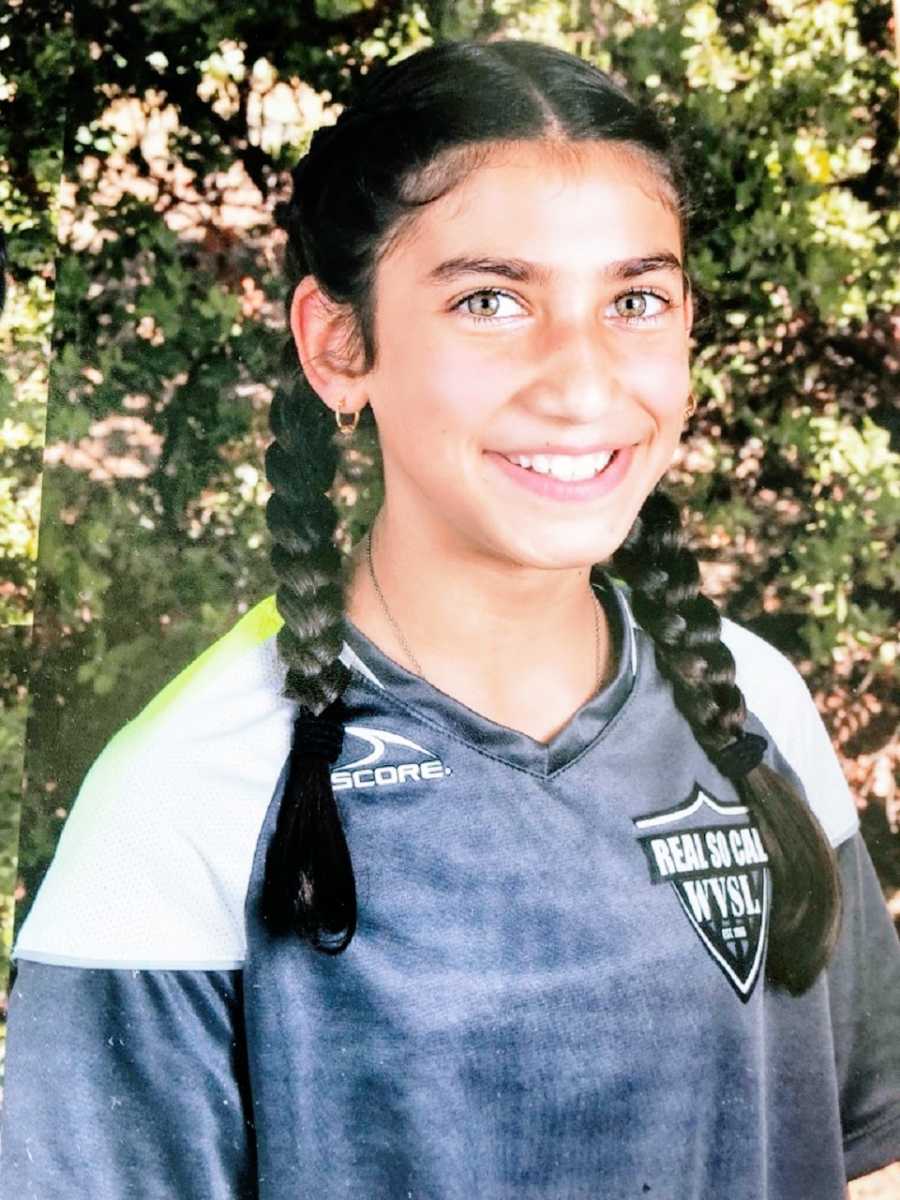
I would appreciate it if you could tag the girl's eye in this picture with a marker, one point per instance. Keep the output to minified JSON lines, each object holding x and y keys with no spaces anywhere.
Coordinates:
{"x":637,"y":303}
{"x":631,"y":306}
{"x":485,"y":309}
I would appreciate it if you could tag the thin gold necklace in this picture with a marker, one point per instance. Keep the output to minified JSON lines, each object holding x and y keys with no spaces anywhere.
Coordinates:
{"x":405,"y":644}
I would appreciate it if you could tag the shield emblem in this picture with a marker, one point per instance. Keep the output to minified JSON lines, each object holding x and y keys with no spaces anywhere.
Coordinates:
{"x":712,"y":855}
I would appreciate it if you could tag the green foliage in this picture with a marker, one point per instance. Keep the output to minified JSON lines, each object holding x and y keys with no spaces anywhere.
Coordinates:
{"x":846,"y":554}
{"x":35,"y":51}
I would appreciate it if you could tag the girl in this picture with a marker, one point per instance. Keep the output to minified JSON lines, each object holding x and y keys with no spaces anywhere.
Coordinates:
{"x":559,"y":892}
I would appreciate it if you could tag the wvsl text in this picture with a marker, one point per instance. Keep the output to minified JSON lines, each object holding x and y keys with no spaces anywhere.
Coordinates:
{"x":703,"y":862}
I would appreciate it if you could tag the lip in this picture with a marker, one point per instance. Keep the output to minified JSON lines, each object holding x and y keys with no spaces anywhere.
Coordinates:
{"x":557,"y":489}
{"x":574,"y":451}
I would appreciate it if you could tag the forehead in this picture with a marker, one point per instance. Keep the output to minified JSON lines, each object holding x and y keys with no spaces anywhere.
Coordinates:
{"x":584,"y":203}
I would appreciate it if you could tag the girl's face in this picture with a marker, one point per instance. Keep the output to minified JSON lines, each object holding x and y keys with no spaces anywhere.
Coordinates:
{"x":537,"y":310}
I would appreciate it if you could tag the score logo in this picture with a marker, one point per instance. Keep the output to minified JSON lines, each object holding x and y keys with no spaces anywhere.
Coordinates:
{"x":369,"y":771}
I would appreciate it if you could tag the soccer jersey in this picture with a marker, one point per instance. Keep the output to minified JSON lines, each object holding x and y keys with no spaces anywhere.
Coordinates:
{"x":556,"y":988}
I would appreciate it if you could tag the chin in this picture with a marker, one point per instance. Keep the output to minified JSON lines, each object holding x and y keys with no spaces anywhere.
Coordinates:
{"x":564,"y":558}
{"x":582,"y":549}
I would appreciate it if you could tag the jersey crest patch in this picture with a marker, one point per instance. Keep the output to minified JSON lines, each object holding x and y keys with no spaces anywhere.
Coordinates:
{"x":719,"y":874}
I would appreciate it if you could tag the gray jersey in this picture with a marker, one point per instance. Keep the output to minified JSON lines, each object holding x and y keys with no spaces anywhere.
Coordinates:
{"x":557,"y":984}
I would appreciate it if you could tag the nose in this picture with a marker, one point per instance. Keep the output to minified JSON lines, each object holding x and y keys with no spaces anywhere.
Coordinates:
{"x":581,"y":377}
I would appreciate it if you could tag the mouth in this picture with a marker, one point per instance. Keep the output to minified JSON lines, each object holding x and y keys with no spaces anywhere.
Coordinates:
{"x":566,"y":476}
{"x":567,"y":468}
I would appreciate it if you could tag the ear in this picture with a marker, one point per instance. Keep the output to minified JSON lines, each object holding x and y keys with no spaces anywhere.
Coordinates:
{"x":320,"y":335}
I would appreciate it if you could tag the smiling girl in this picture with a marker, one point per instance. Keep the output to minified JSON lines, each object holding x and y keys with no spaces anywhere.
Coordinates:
{"x":489,"y":862}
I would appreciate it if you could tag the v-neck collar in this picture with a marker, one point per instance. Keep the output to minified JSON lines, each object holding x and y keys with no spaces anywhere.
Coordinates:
{"x":489,"y":737}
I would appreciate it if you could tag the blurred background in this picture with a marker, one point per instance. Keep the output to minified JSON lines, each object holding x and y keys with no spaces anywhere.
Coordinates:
{"x":142,"y":149}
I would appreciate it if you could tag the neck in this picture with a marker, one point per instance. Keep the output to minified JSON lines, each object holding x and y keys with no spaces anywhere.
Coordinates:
{"x":516,"y":644}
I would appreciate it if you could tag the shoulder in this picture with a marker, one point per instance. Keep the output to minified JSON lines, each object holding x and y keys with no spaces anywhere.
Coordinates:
{"x":777,"y":695}
{"x":153,"y":861}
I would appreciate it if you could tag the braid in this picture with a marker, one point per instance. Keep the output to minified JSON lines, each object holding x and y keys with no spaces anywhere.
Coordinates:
{"x":684,"y":624}
{"x":656,"y":563}
{"x":309,"y":885}
{"x":300,"y":465}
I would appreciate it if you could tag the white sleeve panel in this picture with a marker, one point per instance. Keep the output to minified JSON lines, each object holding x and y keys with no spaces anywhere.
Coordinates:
{"x":776,"y":693}
{"x":147,"y":874}
{"x":152,"y":866}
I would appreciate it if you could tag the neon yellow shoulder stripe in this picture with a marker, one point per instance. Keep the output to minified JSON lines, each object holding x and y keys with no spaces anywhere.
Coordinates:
{"x":260,"y":623}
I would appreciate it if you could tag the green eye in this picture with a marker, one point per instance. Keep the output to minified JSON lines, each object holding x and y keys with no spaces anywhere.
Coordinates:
{"x":632,"y":306}
{"x":483,"y":309}
{"x":493,"y":295}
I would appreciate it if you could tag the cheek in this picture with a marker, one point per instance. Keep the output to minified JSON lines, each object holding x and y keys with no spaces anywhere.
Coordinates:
{"x":663,"y":381}
{"x":430,"y":422}
{"x":440,"y":383}
{"x":453,"y":401}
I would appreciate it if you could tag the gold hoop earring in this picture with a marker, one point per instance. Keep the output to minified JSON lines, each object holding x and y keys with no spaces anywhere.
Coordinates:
{"x":346,"y":427}
{"x":691,"y":407}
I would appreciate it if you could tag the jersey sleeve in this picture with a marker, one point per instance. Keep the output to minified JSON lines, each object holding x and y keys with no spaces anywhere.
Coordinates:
{"x":864,"y":973}
{"x":126,"y":1075}
{"x":864,"y":998}
{"x":125,"y":1084}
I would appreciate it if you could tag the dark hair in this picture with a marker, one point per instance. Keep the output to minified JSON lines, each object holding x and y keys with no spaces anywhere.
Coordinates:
{"x":416,"y":129}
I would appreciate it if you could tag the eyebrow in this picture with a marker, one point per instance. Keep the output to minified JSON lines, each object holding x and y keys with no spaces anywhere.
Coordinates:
{"x":522,"y":271}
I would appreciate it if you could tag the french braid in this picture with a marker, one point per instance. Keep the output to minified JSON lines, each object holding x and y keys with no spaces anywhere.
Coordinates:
{"x":664,"y":578}
{"x":309,"y":885}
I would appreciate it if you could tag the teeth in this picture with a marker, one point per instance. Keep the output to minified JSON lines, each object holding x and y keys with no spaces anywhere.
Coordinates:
{"x":568,"y":467}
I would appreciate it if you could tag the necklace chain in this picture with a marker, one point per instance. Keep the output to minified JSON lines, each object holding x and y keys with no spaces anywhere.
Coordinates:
{"x":387,"y":611}
{"x":405,"y":644}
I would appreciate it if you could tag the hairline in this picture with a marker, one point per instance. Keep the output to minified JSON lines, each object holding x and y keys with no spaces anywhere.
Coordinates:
{"x":451,"y":168}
